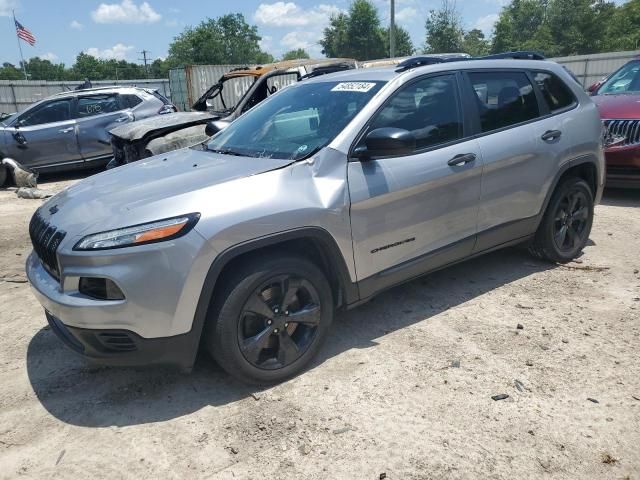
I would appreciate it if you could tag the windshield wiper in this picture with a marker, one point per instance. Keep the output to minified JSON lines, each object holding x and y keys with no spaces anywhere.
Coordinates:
{"x":226,"y":151}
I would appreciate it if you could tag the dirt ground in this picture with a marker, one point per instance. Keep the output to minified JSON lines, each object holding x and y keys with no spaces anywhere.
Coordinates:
{"x":402,"y":389}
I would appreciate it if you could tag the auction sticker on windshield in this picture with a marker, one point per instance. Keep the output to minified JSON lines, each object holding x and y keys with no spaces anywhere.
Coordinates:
{"x":353,"y":87}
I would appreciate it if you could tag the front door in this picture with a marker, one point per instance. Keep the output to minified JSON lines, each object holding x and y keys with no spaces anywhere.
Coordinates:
{"x":44,"y":135}
{"x":416,"y":212}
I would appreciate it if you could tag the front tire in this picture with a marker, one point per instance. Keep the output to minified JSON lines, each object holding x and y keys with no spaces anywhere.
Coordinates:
{"x":270,"y":318}
{"x":566,"y":225}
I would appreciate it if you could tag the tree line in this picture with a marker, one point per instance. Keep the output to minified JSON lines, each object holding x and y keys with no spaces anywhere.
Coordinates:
{"x":554,"y":27}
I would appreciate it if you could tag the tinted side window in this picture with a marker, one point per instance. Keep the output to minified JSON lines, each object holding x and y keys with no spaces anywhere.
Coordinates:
{"x":50,"y":112}
{"x":130,"y":101}
{"x":428,"y":108}
{"x":555,"y":92}
{"x":504,"y":99}
{"x":96,"y":105}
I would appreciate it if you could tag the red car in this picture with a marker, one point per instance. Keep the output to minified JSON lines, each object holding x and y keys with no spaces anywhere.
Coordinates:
{"x":618,"y":98}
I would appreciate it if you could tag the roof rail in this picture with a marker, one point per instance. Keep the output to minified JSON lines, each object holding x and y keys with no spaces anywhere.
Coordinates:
{"x":519,"y":55}
{"x":323,"y":70}
{"x":420,"y":61}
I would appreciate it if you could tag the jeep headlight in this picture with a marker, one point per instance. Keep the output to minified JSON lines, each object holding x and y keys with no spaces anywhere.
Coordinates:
{"x":152,"y":232}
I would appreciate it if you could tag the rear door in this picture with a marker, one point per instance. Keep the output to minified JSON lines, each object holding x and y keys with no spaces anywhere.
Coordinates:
{"x":521,"y":145}
{"x":44,"y":135}
{"x":419,"y":211}
{"x":97,"y":114}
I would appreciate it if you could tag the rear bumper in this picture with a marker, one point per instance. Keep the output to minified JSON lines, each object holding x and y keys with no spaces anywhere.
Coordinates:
{"x":123,"y":347}
{"x":623,"y":167}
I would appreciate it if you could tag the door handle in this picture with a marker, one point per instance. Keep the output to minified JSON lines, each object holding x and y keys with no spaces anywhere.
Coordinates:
{"x":550,"y":135}
{"x":67,"y":130}
{"x":462,"y":159}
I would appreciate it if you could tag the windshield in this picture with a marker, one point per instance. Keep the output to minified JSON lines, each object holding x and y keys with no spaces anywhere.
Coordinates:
{"x":625,"y":80}
{"x":299,"y":120}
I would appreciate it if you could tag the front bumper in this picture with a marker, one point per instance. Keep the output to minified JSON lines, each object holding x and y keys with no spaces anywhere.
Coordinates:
{"x":623,"y":167}
{"x":145,"y":329}
{"x":124,"y":348}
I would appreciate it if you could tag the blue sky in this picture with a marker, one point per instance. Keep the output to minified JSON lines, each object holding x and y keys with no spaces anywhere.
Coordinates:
{"x":123,"y":28}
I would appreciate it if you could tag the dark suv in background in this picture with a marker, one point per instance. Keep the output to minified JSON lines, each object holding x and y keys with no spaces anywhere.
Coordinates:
{"x":618,"y":99}
{"x":71,"y":129}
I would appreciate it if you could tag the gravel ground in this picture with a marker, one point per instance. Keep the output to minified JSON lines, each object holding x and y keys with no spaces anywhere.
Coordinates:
{"x":402,"y":389}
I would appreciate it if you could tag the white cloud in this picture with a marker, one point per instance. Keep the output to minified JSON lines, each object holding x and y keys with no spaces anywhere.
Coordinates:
{"x":487,"y":23}
{"x":294,"y":40}
{"x":407,"y":15}
{"x":125,"y":12}
{"x":266,"y":43}
{"x":118,"y":52}
{"x":52,"y":57}
{"x":171,"y":23}
{"x":6,"y":7}
{"x":76,"y":25}
{"x":281,"y":14}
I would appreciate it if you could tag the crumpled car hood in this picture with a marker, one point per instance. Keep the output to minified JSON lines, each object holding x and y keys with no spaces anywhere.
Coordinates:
{"x":140,"y":128}
{"x":159,"y":187}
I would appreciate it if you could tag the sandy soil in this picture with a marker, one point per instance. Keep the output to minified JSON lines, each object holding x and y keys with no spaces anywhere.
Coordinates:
{"x":402,"y":389}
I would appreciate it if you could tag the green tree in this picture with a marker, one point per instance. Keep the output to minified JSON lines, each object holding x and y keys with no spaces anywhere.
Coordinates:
{"x":576,"y":26}
{"x":475,"y":44}
{"x":39,"y":69}
{"x":295,"y":54}
{"x":356,"y":34}
{"x":11,"y":72}
{"x":518,"y":27}
{"x":335,"y":41}
{"x":226,"y":39}
{"x":404,"y":45}
{"x":444,"y":29}
{"x":622,"y":31}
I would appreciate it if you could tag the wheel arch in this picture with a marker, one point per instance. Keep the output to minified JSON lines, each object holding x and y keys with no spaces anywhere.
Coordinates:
{"x":585,"y":167}
{"x":312,"y":242}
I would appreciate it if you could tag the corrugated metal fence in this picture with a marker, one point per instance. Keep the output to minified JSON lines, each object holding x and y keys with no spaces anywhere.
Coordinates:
{"x":185,"y":85}
{"x":191,"y":82}
{"x":16,"y":95}
{"x":591,"y":68}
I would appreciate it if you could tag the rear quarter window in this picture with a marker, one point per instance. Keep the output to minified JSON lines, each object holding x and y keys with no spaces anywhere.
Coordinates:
{"x":556,"y":94}
{"x":130,"y":100}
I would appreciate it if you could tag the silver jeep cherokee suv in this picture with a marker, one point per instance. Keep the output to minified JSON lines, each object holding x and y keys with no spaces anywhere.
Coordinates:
{"x":329,"y":192}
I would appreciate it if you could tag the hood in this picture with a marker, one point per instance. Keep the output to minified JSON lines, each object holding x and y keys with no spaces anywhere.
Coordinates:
{"x":160,"y":187}
{"x":168,"y":122}
{"x":619,"y":107}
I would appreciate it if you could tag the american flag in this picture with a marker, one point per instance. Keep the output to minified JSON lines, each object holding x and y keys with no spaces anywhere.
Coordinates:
{"x":25,"y":34}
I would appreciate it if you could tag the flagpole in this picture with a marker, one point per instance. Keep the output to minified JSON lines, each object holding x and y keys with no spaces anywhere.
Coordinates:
{"x":24,"y":65}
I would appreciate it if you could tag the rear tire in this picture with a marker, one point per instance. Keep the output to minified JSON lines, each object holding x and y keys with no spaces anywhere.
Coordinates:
{"x":566,"y":225}
{"x":270,"y":318}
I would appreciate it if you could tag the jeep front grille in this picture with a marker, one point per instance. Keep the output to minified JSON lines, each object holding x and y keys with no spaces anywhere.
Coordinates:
{"x":46,"y":239}
{"x":627,"y":129}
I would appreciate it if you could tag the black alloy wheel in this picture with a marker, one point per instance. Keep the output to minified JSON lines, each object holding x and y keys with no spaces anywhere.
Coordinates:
{"x":571,"y":220}
{"x":279,"y":322}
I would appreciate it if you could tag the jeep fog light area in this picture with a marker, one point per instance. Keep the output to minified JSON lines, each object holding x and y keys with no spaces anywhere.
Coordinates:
{"x":328,"y":192}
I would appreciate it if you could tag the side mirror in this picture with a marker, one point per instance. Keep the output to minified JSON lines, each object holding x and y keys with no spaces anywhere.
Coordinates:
{"x":386,"y":142}
{"x":592,"y":88}
{"x":214,"y":127}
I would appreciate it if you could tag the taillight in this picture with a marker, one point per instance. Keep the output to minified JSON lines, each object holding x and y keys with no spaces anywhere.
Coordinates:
{"x":167,"y":109}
